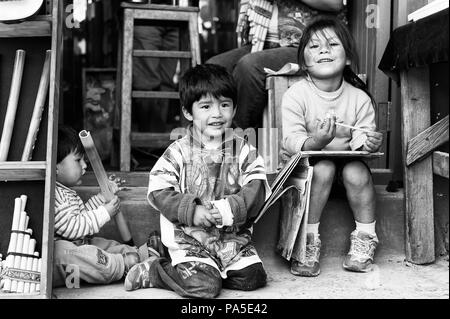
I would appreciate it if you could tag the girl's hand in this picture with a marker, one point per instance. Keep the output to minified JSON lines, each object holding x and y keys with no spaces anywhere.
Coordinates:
{"x":325,"y":132}
{"x":115,"y":183}
{"x":373,"y":142}
{"x":113,"y":206}
{"x":216,"y":215}
{"x":203,"y":217}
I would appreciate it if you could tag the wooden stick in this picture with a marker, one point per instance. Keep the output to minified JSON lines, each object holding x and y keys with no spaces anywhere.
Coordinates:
{"x":103,"y":181}
{"x":354,"y":128}
{"x":12,"y":105}
{"x":38,"y":109}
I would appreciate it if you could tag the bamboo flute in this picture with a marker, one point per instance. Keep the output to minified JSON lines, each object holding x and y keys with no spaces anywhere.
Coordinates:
{"x":103,"y":181}
{"x":29,"y":263}
{"x":19,"y":246}
{"x":35,"y":268}
{"x":38,"y":109}
{"x":12,"y":105}
{"x":24,"y":259}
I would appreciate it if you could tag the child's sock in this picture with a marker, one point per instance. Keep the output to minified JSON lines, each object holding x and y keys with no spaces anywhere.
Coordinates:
{"x":367,"y":228}
{"x":313,"y":229}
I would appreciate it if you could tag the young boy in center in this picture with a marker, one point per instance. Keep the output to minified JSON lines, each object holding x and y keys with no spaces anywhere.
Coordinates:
{"x":206,"y":186}
{"x":77,"y":251}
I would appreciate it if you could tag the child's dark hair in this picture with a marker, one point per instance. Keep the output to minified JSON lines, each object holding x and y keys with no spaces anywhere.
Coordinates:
{"x":68,"y":142}
{"x":206,"y":79}
{"x":343,"y":33}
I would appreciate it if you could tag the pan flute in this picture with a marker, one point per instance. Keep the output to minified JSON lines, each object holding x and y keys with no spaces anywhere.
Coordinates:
{"x":21,"y":271}
{"x":257,"y":14}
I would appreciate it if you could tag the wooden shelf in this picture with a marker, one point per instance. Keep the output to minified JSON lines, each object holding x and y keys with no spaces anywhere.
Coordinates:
{"x":22,"y":171}
{"x":39,"y":26}
{"x":36,"y":295}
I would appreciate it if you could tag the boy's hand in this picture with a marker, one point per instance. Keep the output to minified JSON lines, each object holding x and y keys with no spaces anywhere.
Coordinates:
{"x":216,"y":215}
{"x":113,"y":206}
{"x":324,"y":132}
{"x":373,"y":142}
{"x":203,"y":217}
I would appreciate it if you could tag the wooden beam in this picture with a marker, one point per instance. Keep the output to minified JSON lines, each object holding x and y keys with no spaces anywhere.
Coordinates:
{"x":418,"y":178}
{"x":440,"y":164}
{"x":427,"y":141}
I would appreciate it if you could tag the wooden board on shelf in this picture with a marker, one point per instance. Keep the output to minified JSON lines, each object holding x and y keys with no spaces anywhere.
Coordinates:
{"x":39,"y":26}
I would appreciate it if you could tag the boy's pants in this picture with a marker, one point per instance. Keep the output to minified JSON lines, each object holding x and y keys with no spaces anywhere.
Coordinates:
{"x":93,"y":260}
{"x":199,"y":280}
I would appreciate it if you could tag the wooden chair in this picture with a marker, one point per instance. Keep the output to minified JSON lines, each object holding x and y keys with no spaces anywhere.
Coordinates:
{"x":271,"y":135}
{"x":158,"y":13}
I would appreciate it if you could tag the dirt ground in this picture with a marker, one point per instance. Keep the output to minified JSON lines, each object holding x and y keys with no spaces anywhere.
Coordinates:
{"x":391,"y":278}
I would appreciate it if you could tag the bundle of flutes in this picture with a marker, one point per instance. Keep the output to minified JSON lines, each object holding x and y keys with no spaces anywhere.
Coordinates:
{"x":242,"y":20}
{"x":22,"y":267}
{"x":259,"y":23}
{"x":257,"y":13}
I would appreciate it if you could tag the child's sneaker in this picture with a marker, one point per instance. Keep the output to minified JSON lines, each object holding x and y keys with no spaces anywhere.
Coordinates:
{"x":130,"y":259}
{"x":155,"y":245}
{"x":139,"y":275}
{"x":362,"y":250}
{"x":311,"y":267}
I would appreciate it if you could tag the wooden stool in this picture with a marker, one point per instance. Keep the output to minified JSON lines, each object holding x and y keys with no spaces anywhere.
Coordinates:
{"x":153,"y":13}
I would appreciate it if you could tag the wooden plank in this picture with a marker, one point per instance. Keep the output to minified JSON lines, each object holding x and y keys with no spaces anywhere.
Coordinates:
{"x":127,"y":75}
{"x":162,"y":15}
{"x":55,"y":89}
{"x":155,"y":140}
{"x":22,"y":171}
{"x":268,"y":143}
{"x":194,"y":39}
{"x":162,"y":54}
{"x":281,"y":84}
{"x":131,"y":179}
{"x":156,"y":95}
{"x":427,"y":141}
{"x":440,"y":164}
{"x":415,"y":96}
{"x":158,"y":7}
{"x":362,"y":154}
{"x":38,"y":27}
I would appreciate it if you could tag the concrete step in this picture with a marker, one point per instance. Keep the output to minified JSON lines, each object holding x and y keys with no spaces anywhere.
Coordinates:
{"x":392,"y":277}
{"x":336,"y":225}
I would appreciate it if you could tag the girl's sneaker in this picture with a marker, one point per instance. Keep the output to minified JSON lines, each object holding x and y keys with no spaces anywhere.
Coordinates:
{"x":311,"y":267}
{"x":362,"y":250}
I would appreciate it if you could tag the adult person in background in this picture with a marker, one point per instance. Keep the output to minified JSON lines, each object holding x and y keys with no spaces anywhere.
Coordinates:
{"x":153,"y":74}
{"x":286,"y":20}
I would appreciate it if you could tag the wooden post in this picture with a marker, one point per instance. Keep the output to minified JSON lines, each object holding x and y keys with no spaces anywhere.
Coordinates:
{"x":127,"y":75}
{"x":418,"y":178}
